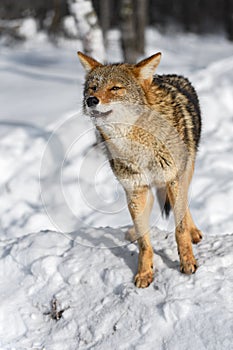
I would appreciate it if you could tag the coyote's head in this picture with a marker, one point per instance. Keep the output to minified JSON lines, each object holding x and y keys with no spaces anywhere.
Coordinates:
{"x":112,"y":89}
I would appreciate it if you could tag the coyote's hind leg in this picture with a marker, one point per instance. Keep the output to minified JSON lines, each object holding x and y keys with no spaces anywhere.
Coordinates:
{"x":186,"y":231}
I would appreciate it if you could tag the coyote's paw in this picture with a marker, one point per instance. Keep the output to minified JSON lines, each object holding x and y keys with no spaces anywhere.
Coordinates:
{"x":188,"y":266}
{"x":143,"y":279}
{"x":196,"y":235}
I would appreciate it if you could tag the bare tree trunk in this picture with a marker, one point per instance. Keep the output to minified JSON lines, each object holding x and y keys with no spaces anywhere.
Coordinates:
{"x":133,"y":24}
{"x":229,"y":19}
{"x":56,"y":21}
{"x":105,"y":17}
{"x":128,"y":32}
{"x":141,"y":22}
{"x":186,"y":15}
{"x":88,"y":28}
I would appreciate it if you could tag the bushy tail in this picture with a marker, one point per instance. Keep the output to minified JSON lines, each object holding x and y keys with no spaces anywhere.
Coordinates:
{"x":164,"y":202}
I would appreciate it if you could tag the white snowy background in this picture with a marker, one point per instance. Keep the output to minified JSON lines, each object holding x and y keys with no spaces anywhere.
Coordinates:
{"x":66,"y":268}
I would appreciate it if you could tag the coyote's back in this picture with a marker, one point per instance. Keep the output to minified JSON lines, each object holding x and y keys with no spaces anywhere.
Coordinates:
{"x":187,"y":108}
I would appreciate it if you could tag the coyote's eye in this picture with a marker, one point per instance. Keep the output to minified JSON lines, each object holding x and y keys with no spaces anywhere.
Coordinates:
{"x":93,"y":88}
{"x":115,"y":88}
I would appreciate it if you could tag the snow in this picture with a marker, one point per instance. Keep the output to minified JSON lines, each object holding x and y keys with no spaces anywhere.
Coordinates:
{"x":66,"y":268}
{"x":28,"y":28}
{"x":70,"y":26}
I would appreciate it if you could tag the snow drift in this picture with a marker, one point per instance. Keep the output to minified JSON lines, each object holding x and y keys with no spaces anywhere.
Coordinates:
{"x":67,"y":282}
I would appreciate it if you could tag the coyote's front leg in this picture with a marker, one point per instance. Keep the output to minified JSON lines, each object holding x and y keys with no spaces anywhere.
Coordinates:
{"x":140,"y":202}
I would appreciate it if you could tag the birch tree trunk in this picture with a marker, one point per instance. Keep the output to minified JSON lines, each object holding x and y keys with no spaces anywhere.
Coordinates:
{"x":88,"y":28}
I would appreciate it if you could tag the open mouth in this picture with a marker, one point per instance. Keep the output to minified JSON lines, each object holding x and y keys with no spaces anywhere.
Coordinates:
{"x":96,"y":113}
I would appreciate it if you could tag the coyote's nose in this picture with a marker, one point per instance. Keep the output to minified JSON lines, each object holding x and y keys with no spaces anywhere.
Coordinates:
{"x":92,"y":101}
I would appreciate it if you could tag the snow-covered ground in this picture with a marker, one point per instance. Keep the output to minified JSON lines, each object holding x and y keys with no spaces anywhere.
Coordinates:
{"x":66,"y":269}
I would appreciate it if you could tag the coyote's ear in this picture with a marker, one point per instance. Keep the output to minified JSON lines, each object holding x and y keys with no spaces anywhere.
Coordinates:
{"x":145,"y":69}
{"x":88,"y":62}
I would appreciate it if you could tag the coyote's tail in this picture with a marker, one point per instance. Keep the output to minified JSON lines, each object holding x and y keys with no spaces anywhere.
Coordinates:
{"x":164,"y":202}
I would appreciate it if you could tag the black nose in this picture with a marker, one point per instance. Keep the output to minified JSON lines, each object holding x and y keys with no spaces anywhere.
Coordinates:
{"x":92,"y":101}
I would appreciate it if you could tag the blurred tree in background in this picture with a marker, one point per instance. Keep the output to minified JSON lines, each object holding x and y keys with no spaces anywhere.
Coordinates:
{"x":57,"y":17}
{"x":133,"y":17}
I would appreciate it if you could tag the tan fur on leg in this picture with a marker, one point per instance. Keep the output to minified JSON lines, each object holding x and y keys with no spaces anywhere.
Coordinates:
{"x":186,"y":231}
{"x":140,"y":202}
{"x":144,"y":277}
{"x":196,"y":234}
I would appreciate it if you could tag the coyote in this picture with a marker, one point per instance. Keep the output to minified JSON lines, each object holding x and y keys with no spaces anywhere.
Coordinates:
{"x":151,"y":126}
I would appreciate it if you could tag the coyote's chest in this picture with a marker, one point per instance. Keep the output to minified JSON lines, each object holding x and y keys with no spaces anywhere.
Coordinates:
{"x":138,"y":156}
